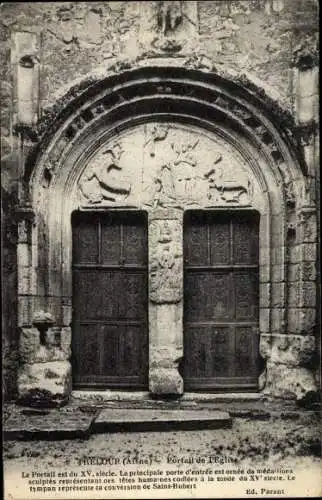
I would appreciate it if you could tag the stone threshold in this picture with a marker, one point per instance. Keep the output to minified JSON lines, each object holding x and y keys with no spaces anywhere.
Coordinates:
{"x":194,"y":397}
{"x":143,"y":420}
{"x":241,"y":405}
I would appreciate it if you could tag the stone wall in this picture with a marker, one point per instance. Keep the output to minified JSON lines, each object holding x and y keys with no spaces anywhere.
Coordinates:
{"x":256,"y":38}
{"x":51,"y":55}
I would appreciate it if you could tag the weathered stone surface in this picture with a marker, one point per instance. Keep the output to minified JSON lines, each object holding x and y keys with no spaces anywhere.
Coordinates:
{"x":306,"y":102}
{"x":23,"y":254}
{"x":262,"y":380}
{"x":31,"y":351}
{"x":28,"y":343}
{"x":47,"y":383}
{"x":63,"y":423}
{"x":278,"y":291}
{"x":301,"y":320}
{"x":292,"y":350}
{"x":302,"y":294}
{"x":278,"y":319}
{"x":42,"y":319}
{"x":264,"y":319}
{"x":65,"y":341}
{"x":294,"y":272}
{"x":310,"y":252}
{"x":165,"y":348}
{"x":165,"y":382}
{"x":277,"y":273}
{"x":265,"y":345}
{"x":45,"y":354}
{"x":164,"y":356}
{"x":265,"y":294}
{"x":308,"y":271}
{"x":309,"y":226}
{"x":290,"y":382}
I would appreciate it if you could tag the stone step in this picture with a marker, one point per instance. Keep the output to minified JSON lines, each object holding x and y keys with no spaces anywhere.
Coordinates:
{"x":132,"y":420}
{"x":47,"y":425}
{"x":72,"y":423}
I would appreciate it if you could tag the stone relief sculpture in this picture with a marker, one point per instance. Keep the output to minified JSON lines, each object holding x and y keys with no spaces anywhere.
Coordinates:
{"x":228,"y":186}
{"x":106,"y":182}
{"x":169,"y":15}
{"x":178,"y":170}
{"x":156,"y":133}
{"x":176,"y":180}
{"x":164,"y":190}
{"x":185,"y":179}
{"x":184,"y":167}
{"x":169,"y":26}
{"x":165,"y":261}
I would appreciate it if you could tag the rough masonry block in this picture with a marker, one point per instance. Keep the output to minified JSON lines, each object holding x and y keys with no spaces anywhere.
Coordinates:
{"x":45,"y":384}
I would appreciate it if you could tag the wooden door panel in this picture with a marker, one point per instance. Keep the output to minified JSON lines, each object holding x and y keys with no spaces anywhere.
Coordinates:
{"x":196,"y":252}
{"x":221,"y":301}
{"x":85,"y":244}
{"x":246,"y":295}
{"x":209,"y":348}
{"x":246,"y":351}
{"x":135,"y":245}
{"x":110,"y":324}
{"x":207,"y":296}
{"x":86,"y":354}
{"x":219,"y":243}
{"x":110,"y":243}
{"x":245,"y":240}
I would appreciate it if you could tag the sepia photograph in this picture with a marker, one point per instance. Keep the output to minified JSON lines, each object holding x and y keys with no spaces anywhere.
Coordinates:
{"x":160,"y":243}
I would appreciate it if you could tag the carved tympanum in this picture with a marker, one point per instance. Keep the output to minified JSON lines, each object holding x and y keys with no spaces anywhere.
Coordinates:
{"x":106,"y":181}
{"x":161,"y":165}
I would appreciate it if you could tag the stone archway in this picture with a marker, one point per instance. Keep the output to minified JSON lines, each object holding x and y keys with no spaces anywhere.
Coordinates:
{"x":155,"y":139}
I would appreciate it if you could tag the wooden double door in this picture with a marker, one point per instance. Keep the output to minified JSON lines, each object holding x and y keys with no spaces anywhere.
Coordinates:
{"x":110,"y":300}
{"x":110,"y":306}
{"x":221,"y":331}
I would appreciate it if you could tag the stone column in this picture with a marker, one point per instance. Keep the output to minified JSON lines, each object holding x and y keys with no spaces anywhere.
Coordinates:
{"x":165,"y":302}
